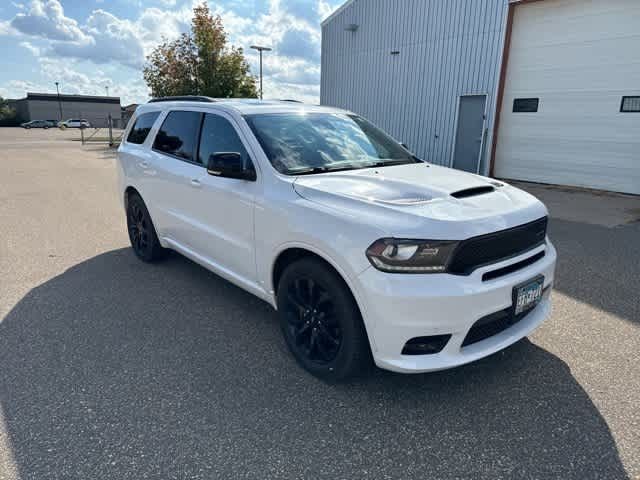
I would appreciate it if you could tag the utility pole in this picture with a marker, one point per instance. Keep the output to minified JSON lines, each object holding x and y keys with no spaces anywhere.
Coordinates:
{"x":260,"y":49}
{"x":59,"y":101}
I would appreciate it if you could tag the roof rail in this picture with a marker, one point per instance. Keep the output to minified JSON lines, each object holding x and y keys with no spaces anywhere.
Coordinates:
{"x":183,"y":98}
{"x":290,"y":100}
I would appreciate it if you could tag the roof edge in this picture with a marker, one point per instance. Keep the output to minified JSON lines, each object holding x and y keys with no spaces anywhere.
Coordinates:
{"x":337,"y":12}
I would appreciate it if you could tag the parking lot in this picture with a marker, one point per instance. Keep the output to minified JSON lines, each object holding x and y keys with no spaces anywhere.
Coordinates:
{"x":111,"y":368}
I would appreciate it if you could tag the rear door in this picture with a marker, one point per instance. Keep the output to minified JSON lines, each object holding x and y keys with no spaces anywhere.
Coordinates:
{"x":172,"y":174}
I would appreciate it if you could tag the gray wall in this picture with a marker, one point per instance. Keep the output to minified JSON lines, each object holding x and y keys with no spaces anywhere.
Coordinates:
{"x":447,"y":49}
{"x":95,"y":113}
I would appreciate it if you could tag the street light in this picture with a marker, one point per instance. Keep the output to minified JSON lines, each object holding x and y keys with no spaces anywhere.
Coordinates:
{"x":59,"y":101}
{"x":260,"y":49}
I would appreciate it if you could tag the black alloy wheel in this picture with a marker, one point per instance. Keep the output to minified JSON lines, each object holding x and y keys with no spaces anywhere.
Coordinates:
{"x":321,"y":322}
{"x":142,"y":233}
{"x":311,"y":321}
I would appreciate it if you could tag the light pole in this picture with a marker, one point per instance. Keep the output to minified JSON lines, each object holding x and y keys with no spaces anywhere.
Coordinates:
{"x":260,"y":49}
{"x":59,"y":101}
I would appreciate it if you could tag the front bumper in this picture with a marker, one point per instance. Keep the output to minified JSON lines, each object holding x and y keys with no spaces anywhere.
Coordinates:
{"x":398,"y":307}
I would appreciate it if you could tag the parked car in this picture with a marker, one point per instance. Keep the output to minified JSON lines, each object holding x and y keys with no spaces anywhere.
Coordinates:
{"x":75,"y":123}
{"x":37,"y":124}
{"x":367,"y":252}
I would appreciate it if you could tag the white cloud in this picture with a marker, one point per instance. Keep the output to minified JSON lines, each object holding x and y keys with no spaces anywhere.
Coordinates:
{"x":108,"y":39}
{"x":7,"y":29}
{"x":46,"y":19}
{"x":291,"y":27}
{"x":35,"y":51}
{"x":299,"y":44}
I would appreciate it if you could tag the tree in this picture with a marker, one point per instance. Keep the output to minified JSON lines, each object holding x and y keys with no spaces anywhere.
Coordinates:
{"x":8,"y":116}
{"x":200,"y":63}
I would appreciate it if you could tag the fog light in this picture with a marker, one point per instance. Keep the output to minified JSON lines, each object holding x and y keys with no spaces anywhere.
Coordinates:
{"x":425,"y":345}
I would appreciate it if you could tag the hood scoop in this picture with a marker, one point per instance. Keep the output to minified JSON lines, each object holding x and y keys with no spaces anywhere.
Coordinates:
{"x":472,"y":192}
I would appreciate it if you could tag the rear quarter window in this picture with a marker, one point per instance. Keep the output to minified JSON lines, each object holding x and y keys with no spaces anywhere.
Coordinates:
{"x":142,"y":127}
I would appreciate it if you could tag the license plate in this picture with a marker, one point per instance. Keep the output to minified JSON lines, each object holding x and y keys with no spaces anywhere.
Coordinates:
{"x":527,"y":295}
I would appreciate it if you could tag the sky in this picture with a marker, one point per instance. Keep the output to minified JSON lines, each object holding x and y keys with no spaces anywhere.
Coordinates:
{"x":88,"y":45}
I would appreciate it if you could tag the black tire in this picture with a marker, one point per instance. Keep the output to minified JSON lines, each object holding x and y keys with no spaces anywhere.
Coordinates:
{"x":314,"y":301}
{"x":142,"y":233}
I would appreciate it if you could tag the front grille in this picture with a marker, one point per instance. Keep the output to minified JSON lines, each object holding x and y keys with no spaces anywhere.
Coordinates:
{"x":494,"y":247}
{"x":492,"y":325}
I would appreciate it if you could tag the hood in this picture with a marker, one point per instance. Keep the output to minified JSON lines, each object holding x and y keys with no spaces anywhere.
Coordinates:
{"x":422,"y":199}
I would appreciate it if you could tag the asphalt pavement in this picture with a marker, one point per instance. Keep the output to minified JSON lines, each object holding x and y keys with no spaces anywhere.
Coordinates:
{"x":114,"y":369}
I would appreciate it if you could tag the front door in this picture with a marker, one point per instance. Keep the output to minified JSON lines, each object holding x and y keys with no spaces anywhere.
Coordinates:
{"x":224,"y":206}
{"x":470,"y":133}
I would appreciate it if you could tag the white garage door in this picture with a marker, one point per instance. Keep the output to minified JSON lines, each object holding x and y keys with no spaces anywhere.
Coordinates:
{"x":576,"y":59}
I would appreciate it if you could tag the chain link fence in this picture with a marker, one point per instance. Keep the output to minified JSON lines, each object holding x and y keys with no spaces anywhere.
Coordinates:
{"x":97,"y":130}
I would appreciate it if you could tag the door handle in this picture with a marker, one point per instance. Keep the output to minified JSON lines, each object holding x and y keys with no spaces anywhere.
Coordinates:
{"x":195,"y":183}
{"x":144,"y":164}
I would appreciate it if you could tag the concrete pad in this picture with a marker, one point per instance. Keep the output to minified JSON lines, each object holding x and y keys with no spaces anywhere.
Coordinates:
{"x":595,"y":207}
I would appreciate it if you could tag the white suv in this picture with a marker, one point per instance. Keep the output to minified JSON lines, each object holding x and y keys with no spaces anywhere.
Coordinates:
{"x":75,"y":123}
{"x":365,"y":251}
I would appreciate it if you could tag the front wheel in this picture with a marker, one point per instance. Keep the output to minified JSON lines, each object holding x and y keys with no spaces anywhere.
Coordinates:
{"x":142,"y":233}
{"x":321,"y":322}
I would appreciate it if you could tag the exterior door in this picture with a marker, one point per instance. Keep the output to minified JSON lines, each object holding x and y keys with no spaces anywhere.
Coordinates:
{"x":563,"y":117}
{"x":224,"y":206}
{"x":470,"y":133}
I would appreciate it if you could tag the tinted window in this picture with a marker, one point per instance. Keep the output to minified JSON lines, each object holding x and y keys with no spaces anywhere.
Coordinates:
{"x":529,"y":105}
{"x":301,"y":143}
{"x":178,"y":133}
{"x":141,"y":128}
{"x":218,"y":135}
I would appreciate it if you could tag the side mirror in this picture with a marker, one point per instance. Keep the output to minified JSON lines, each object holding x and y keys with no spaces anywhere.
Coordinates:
{"x":229,"y":165}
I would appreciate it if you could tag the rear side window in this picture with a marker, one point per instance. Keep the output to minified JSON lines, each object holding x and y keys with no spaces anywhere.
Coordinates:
{"x":218,"y":135}
{"x":178,"y":135}
{"x":141,"y":127}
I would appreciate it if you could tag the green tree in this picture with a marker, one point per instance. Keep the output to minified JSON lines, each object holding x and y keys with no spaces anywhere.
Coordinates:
{"x":8,"y":114}
{"x":200,"y":63}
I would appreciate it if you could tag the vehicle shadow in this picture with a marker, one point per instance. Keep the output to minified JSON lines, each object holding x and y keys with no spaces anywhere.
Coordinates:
{"x":118,"y":369}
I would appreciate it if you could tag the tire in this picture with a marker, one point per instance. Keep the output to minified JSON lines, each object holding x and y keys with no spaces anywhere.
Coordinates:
{"x":142,"y":233}
{"x":321,"y":322}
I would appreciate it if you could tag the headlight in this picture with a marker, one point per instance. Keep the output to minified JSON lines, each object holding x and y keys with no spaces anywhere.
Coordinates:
{"x":411,"y":256}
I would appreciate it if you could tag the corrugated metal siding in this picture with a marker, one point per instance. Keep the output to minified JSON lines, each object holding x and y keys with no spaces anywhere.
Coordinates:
{"x":447,"y":49}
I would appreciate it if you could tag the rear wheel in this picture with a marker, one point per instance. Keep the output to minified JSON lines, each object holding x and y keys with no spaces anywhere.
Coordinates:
{"x":142,"y":233}
{"x":321,"y":322}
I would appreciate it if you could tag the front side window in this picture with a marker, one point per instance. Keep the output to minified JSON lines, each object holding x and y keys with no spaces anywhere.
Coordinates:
{"x":320,"y":142}
{"x":218,"y":136}
{"x":142,"y":127}
{"x":178,"y":134}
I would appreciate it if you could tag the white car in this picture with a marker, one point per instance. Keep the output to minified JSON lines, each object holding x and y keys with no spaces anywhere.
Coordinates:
{"x":366,"y":252}
{"x":75,"y":123}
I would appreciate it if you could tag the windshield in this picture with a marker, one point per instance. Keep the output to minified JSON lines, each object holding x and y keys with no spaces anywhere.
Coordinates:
{"x":321,"y":142}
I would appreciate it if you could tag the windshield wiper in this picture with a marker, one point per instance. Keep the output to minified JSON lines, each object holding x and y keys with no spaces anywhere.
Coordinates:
{"x":389,"y":163}
{"x":314,"y":170}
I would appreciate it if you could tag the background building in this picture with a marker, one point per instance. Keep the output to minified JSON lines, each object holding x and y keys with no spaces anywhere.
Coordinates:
{"x":50,"y":106}
{"x":539,"y":90}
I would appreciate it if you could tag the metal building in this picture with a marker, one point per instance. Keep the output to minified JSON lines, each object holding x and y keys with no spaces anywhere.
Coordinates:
{"x":49,"y":106}
{"x":539,"y":90}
